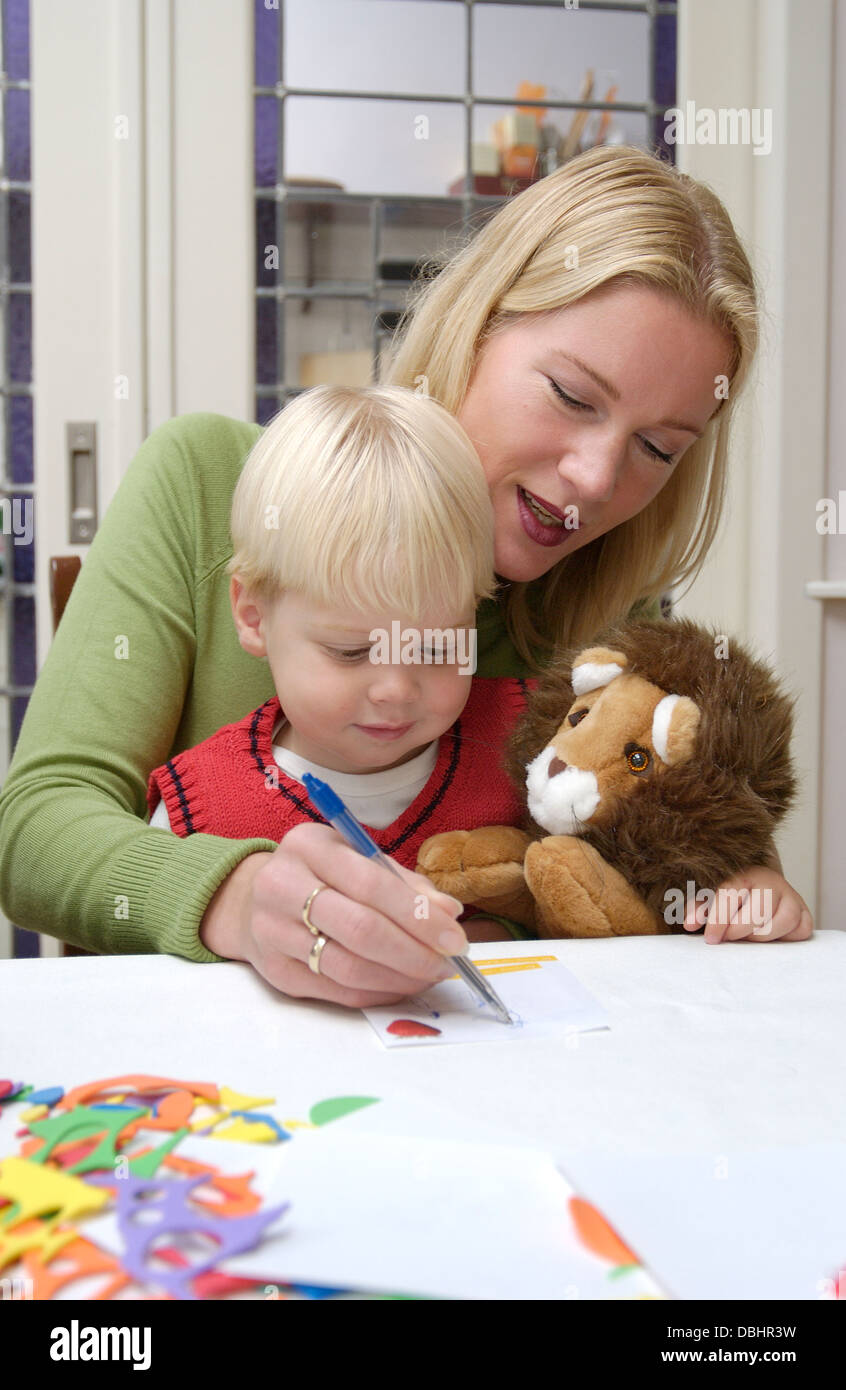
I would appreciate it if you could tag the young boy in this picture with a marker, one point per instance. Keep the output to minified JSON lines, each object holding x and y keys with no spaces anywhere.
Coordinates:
{"x":363,"y":542}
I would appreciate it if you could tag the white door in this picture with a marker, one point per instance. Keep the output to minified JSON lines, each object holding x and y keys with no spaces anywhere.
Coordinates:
{"x":142,"y":233}
{"x":142,"y":239}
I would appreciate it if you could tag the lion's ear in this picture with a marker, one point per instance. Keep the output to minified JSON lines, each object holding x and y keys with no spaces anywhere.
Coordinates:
{"x":675,"y":722}
{"x":596,"y":666}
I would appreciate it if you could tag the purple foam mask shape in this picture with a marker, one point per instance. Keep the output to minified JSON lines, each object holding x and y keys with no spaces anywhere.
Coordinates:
{"x":143,"y":1218}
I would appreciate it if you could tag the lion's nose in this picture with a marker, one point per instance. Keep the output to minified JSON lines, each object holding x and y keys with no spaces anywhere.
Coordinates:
{"x":556,"y":766}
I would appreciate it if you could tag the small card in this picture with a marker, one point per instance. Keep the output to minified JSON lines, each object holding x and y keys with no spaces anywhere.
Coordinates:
{"x":543,"y":998}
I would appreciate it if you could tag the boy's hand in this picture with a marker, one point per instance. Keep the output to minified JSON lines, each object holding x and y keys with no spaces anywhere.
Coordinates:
{"x":756,"y":905}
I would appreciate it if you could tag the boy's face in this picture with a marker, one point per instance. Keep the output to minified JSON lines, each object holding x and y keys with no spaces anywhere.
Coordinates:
{"x":338,"y":702}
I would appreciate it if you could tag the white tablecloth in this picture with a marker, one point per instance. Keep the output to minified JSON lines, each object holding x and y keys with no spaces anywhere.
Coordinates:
{"x":712,"y":1050}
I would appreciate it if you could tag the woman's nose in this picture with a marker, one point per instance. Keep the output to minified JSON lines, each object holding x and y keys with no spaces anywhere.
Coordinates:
{"x":593,"y":469}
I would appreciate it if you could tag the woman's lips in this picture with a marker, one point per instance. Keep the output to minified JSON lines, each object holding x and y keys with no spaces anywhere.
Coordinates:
{"x":384,"y":732}
{"x":542,"y":534}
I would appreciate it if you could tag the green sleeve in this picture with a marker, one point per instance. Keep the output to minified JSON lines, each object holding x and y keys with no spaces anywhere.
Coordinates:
{"x":647,"y":608}
{"x":517,"y":930}
{"x":122,"y":689}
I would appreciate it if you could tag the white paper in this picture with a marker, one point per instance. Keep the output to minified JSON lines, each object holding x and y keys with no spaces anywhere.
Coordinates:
{"x":761,"y":1224}
{"x":547,"y":1001}
{"x":398,"y":1115}
{"x":430,"y":1217}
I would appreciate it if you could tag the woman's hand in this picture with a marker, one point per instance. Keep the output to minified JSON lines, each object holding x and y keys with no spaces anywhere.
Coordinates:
{"x":756,"y":905}
{"x":385,"y":939}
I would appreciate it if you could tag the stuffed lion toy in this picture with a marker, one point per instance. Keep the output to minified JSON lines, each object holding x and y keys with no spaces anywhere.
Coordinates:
{"x":657,"y":758}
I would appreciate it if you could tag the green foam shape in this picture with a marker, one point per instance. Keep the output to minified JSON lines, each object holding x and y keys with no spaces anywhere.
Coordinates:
{"x":337,"y":1106}
{"x":80,"y":1123}
{"x":147,"y":1165}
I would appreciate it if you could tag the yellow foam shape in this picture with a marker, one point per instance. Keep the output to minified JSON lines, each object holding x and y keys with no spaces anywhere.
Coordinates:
{"x":233,"y":1100}
{"x":35,"y":1112}
{"x":298,"y":1124}
{"x":213,"y":1118}
{"x":34,"y":1235}
{"x":247,"y":1131}
{"x":37,"y":1190}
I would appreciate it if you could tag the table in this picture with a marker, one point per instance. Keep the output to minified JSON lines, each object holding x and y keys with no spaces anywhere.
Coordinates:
{"x":711,"y":1049}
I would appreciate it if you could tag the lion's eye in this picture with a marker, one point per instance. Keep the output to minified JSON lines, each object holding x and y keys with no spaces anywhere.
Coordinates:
{"x":576,"y":717}
{"x":636,"y":758}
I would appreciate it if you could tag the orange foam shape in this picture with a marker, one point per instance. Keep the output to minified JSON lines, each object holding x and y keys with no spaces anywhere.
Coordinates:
{"x":83,"y":1095}
{"x":594,"y":1232}
{"x":85,"y":1259}
{"x":236,"y":1198}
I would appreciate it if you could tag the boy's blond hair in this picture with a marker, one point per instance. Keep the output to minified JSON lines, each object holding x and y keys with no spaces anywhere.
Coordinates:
{"x":371,"y":498}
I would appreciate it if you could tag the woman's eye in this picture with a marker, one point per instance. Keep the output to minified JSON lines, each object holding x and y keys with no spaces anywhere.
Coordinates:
{"x":656,"y":453}
{"x":568,"y":400}
{"x":648,"y":448}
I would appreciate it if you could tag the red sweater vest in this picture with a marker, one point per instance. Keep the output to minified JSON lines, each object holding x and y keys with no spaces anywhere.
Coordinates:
{"x":231,"y":785}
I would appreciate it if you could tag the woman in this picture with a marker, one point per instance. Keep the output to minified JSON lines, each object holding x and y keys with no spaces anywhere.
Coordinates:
{"x":593,"y":341}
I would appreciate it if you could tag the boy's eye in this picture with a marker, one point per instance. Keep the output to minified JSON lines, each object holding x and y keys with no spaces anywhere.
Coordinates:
{"x":353,"y":654}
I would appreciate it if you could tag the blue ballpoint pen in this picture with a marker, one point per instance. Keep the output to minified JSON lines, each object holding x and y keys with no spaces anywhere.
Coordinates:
{"x":332,"y":808}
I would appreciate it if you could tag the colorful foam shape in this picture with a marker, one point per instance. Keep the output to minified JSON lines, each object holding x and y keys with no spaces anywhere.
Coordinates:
{"x":214,"y":1283}
{"x":247,"y":1132}
{"x":104,"y":1124}
{"x":37,"y":1191}
{"x":35,"y":1112}
{"x":81,"y":1123}
{"x":254,"y":1115}
{"x":84,"y":1259}
{"x":48,"y":1095}
{"x":337,"y":1106}
{"x":316,"y":1291}
{"x":233,"y":1100}
{"x":141,"y":1083}
{"x":14,"y":1090}
{"x":167,"y":1203}
{"x":595,"y":1233}
{"x":31,"y":1236}
{"x":114,"y":1105}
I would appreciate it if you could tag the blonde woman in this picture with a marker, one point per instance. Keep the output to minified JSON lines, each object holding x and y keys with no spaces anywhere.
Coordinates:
{"x":593,"y":342}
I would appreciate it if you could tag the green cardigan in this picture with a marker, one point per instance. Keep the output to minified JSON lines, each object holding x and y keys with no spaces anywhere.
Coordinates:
{"x":146,"y":662}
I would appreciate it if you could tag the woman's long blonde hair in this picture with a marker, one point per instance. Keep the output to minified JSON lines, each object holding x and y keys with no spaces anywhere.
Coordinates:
{"x":631,"y":218}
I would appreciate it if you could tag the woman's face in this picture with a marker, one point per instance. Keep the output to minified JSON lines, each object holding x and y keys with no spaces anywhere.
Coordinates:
{"x":593,"y":463}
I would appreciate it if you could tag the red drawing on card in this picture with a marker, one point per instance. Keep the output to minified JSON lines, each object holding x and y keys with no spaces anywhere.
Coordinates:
{"x":410,"y":1028}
